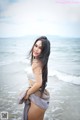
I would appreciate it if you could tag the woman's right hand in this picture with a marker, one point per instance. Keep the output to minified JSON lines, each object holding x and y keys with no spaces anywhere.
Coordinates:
{"x":27,"y":95}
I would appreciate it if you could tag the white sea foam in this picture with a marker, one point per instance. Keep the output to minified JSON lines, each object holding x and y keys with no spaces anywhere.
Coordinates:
{"x":65,"y":77}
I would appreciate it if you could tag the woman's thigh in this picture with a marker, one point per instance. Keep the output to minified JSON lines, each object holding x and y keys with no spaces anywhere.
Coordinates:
{"x":35,"y":112}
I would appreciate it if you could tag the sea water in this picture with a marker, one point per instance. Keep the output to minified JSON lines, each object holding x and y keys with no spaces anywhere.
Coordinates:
{"x":63,"y":76}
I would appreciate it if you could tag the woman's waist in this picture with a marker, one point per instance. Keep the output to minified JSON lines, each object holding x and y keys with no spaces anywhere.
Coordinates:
{"x":45,"y":95}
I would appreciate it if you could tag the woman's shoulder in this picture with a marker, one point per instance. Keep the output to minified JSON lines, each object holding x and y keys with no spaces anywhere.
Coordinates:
{"x":36,"y":63}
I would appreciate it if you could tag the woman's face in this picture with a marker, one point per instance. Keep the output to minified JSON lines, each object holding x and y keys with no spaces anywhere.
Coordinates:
{"x":37,"y":49}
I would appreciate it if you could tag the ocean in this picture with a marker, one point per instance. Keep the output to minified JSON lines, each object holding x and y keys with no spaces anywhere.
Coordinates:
{"x":63,"y":76}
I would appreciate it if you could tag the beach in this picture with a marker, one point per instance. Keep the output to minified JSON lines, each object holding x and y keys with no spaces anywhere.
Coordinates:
{"x":63,"y":79}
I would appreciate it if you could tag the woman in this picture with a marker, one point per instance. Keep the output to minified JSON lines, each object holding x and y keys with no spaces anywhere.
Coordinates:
{"x":37,"y":97}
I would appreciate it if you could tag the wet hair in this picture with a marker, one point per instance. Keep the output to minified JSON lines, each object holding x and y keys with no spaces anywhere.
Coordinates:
{"x":43,"y":57}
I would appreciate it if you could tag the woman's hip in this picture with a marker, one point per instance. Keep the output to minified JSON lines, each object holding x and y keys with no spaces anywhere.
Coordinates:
{"x":41,"y":101}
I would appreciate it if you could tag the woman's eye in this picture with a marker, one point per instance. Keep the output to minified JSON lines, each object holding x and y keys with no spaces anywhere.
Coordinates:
{"x":38,"y":46}
{"x":35,"y":45}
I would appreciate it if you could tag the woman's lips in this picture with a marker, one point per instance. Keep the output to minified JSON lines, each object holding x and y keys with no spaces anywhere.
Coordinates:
{"x":35,"y":53}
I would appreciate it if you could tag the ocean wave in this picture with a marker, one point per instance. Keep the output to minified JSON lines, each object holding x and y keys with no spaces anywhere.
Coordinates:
{"x":11,"y":61}
{"x":65,"y":77}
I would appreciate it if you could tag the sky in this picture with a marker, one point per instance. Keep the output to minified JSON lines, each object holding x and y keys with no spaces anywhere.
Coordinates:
{"x":39,"y":17}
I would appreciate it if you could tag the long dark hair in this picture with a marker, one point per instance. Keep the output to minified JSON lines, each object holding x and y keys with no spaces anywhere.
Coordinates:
{"x":43,"y":57}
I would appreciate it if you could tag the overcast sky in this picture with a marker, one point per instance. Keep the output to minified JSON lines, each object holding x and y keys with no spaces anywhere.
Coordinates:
{"x":39,"y":17}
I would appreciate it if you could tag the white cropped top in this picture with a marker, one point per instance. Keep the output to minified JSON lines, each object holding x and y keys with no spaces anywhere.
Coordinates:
{"x":30,"y":74}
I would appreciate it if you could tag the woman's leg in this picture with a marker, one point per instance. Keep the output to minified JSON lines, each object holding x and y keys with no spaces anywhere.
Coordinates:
{"x":35,"y":112}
